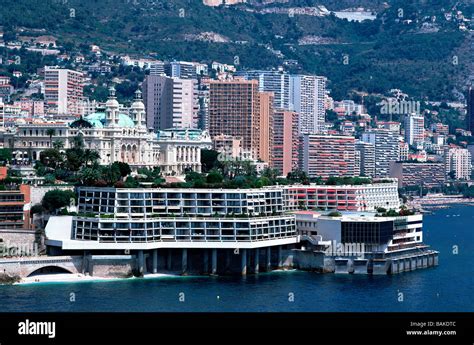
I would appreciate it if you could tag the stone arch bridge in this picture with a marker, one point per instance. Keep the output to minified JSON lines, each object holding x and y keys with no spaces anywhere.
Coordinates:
{"x":28,"y":266}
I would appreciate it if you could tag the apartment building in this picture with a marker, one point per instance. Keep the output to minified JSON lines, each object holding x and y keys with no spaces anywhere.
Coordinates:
{"x":327,"y":155}
{"x":284,"y":141}
{"x":63,"y":91}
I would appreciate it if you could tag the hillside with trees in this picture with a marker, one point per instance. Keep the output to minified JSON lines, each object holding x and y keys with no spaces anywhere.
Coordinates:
{"x":410,"y":45}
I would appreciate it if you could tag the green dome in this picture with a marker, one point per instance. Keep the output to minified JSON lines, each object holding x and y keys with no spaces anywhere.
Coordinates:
{"x":98,"y":120}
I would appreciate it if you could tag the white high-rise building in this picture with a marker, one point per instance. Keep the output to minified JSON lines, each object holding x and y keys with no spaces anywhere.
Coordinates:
{"x":415,"y":130}
{"x":386,"y":149}
{"x":157,"y":68}
{"x":403,"y":153}
{"x":184,"y":103}
{"x":367,"y":158}
{"x":63,"y":90}
{"x":180,"y":69}
{"x":170,"y":102}
{"x":307,"y":97}
{"x":458,"y":161}
{"x":277,"y":82}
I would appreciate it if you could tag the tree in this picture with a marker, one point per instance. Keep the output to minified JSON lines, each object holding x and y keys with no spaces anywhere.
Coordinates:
{"x":51,"y":158}
{"x":151,"y":175}
{"x":50,"y":132}
{"x":74,"y":159}
{"x":214,"y":176}
{"x":124,"y":168}
{"x":38,"y":208}
{"x":469,"y":192}
{"x":209,"y":160}
{"x":195,"y":179}
{"x":110,"y":174}
{"x":298,"y":176}
{"x":89,"y":175}
{"x":271,"y":174}
{"x":5,"y":156}
{"x":130,"y":182}
{"x":56,"y":199}
{"x":89,"y":157}
{"x":58,"y":145}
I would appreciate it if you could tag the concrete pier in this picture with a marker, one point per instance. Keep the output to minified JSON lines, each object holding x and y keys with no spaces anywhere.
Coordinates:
{"x":360,"y":266}
{"x":380,"y":266}
{"x":141,"y":262}
{"x":214,"y":262}
{"x":268,"y":259}
{"x":394,"y":268}
{"x":228,"y":254}
{"x":280,"y":257}
{"x":184,"y":261}
{"x":425,"y":261}
{"x":243,"y":262}
{"x":205,"y":261}
{"x":341,"y":265}
{"x":401,"y":265}
{"x":155,"y":261}
{"x":257,"y":259}
{"x":169,"y":259}
{"x":413,"y":263}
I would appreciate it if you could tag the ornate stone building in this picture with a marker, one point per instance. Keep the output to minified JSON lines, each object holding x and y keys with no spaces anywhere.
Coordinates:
{"x":116,"y":137}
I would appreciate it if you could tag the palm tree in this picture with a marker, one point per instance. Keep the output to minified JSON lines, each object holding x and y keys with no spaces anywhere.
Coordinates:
{"x":90,"y":156}
{"x":50,"y":132}
{"x":58,"y":145}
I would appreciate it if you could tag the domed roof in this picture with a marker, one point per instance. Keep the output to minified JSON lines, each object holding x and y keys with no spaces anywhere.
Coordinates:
{"x":80,"y":123}
{"x":98,"y":120}
{"x":112,"y":101}
{"x":138,"y":104}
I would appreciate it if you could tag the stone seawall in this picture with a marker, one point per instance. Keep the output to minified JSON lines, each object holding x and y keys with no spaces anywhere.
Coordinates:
{"x":104,"y":266}
{"x":110,"y":266}
{"x":37,"y":192}
{"x":20,"y":242}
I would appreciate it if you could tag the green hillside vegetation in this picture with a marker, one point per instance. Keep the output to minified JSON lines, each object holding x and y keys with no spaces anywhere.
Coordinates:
{"x":381,"y":54}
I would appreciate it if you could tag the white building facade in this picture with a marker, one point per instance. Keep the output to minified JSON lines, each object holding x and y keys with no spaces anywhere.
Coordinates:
{"x":117,"y":137}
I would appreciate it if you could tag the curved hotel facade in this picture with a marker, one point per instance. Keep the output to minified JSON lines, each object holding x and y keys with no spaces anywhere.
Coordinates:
{"x":234,"y":227}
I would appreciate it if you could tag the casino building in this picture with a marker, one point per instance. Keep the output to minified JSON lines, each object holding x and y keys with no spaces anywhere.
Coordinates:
{"x":116,"y":136}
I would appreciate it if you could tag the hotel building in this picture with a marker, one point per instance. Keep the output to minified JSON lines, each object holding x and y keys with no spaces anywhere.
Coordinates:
{"x":220,"y":230}
{"x":362,"y":243}
{"x":170,"y":102}
{"x":247,"y":226}
{"x":367,"y":197}
{"x":15,"y":208}
{"x":265,"y":126}
{"x":116,"y":136}
{"x":367,"y":158}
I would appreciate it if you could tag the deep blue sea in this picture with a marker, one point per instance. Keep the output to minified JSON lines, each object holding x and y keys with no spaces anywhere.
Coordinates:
{"x":447,"y":287}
